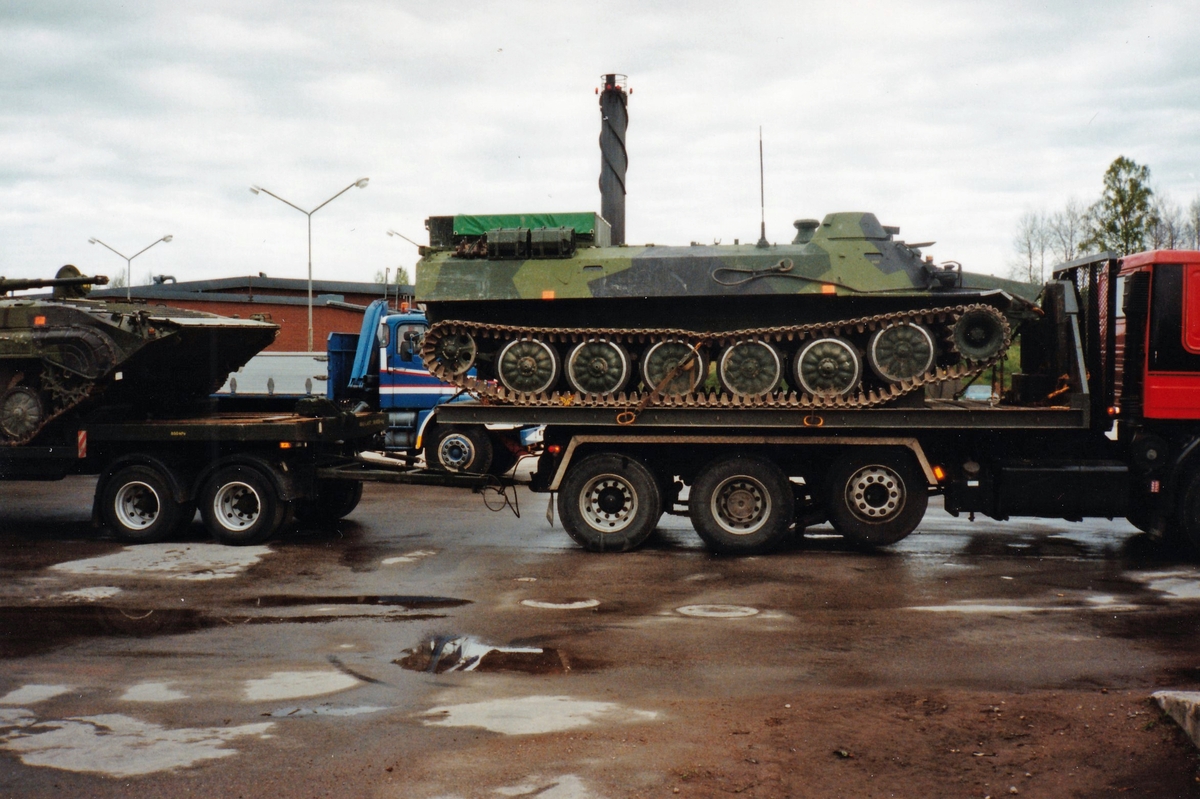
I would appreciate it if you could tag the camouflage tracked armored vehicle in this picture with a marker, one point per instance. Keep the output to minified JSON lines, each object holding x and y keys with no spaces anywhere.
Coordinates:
{"x":56,"y":354}
{"x":845,"y":315}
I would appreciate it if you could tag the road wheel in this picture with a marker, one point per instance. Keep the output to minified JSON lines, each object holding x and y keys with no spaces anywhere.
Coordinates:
{"x":136,"y":503}
{"x":333,"y":500}
{"x":240,"y":506}
{"x":741,"y":505}
{"x":528,"y":366}
{"x":459,"y":449}
{"x":609,"y":502}
{"x":876,"y":497}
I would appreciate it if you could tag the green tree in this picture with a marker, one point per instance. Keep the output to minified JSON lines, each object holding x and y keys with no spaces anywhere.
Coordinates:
{"x":1124,"y":214}
{"x":400,"y":277}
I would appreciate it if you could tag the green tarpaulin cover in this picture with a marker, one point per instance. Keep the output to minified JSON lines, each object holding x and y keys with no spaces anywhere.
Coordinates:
{"x":466,"y":225}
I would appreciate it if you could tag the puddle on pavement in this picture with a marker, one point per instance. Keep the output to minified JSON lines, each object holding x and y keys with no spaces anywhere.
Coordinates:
{"x":1175,"y":584}
{"x":568,"y":604}
{"x":409,"y":557}
{"x":297,"y":684}
{"x":465,"y":653}
{"x":565,"y":786}
{"x":717,"y":611}
{"x":32,"y":629}
{"x":171,"y":561}
{"x":113,"y":744}
{"x":90,"y":594}
{"x":399,"y":600}
{"x":32,"y":694}
{"x":532,"y":715}
{"x":152,"y":692}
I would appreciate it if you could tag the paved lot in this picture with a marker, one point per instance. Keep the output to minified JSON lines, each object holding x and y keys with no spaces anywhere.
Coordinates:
{"x":429,"y":648}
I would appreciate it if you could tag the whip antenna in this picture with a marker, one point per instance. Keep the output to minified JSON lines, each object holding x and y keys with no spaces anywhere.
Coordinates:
{"x":762,"y":196}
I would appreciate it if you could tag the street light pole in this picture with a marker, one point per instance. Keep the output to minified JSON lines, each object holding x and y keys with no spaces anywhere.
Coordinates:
{"x":129,"y":262}
{"x":360,"y":183}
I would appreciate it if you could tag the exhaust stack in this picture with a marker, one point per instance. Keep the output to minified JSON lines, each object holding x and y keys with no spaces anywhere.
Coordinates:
{"x":614,"y":119}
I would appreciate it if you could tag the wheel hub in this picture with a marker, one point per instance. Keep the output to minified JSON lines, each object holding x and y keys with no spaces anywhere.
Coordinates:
{"x":136,"y":505}
{"x":741,"y":505}
{"x":608,"y":503}
{"x":875,"y":493}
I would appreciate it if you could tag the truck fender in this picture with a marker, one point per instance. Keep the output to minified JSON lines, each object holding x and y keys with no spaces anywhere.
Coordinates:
{"x":286,"y":483}
{"x":423,"y":420}
{"x":178,"y":480}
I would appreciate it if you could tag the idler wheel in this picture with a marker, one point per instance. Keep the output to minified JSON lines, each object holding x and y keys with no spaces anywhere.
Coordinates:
{"x":750,"y":369}
{"x":979,"y":334}
{"x":598,"y":366}
{"x":528,"y":366}
{"x":456,"y":352}
{"x":661,"y":358}
{"x":828,"y":367}
{"x":901,"y":352}
{"x":21,"y":413}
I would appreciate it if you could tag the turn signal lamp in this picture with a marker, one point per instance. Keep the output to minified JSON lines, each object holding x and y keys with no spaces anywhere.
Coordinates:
{"x":285,"y":445}
{"x":939,"y":473}
{"x":554,"y":449}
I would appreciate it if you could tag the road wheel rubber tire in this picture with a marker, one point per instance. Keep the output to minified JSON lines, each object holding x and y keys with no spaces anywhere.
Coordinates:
{"x":1185,"y":532}
{"x":240,"y":506}
{"x":876,"y":497}
{"x":459,"y":449}
{"x":609,"y":502}
{"x":136,"y":503}
{"x":333,"y":500}
{"x":742,"y":505}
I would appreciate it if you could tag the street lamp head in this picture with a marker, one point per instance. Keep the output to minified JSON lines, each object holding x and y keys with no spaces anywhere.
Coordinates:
{"x":254,"y":189}
{"x":361,"y":182}
{"x":91,"y":241}
{"x":167,"y":238}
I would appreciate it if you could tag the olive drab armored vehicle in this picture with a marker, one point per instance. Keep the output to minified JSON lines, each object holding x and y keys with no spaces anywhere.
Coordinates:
{"x":59,"y":353}
{"x":546,"y":312}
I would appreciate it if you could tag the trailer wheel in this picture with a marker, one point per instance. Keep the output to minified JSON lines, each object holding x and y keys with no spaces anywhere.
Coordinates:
{"x":459,"y":449}
{"x":334,"y":500}
{"x":609,"y":502}
{"x":876,"y":498}
{"x":240,"y":506}
{"x":1187,"y":521}
{"x":741,"y":505}
{"x":136,"y":504}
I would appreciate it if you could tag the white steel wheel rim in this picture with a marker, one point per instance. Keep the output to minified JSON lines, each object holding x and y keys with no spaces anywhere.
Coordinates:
{"x":875,"y":493}
{"x":552,"y":376}
{"x":229,"y":506}
{"x":693,"y":367}
{"x":723,"y":367}
{"x":131,"y":507}
{"x":741,"y":505}
{"x":574,"y":356}
{"x":456,"y":452}
{"x":608,"y":503}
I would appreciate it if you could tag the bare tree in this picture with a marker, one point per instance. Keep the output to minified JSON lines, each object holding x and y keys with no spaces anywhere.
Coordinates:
{"x":1067,"y":229}
{"x":1168,"y":225}
{"x":1031,"y":245}
{"x":1192,"y":230}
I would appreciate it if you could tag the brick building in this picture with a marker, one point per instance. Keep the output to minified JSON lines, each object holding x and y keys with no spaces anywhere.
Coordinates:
{"x":337,"y":305}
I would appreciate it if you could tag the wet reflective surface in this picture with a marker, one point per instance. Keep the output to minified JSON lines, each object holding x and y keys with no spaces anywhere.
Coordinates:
{"x":429,"y":648}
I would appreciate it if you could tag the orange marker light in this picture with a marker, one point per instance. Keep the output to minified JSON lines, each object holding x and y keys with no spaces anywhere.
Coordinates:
{"x":554,"y":449}
{"x":828,"y":288}
{"x":939,"y":473}
{"x":39,"y":321}
{"x":548,"y":294}
{"x":285,"y":445}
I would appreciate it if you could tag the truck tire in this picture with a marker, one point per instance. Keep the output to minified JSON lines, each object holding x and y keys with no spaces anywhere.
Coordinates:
{"x":1187,"y":520}
{"x":459,"y":449}
{"x":609,"y":502}
{"x":334,"y":500}
{"x":136,"y":503}
{"x":741,"y":505}
{"x":876,"y":497}
{"x":240,"y":506}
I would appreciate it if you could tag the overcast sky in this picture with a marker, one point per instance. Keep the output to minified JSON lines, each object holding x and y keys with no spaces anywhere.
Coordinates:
{"x":127,"y":121}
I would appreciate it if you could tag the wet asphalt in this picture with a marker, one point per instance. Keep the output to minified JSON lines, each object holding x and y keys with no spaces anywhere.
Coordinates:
{"x":428,"y":647}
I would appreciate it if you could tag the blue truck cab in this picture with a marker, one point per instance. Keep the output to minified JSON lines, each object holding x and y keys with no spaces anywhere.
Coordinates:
{"x":381,"y":367}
